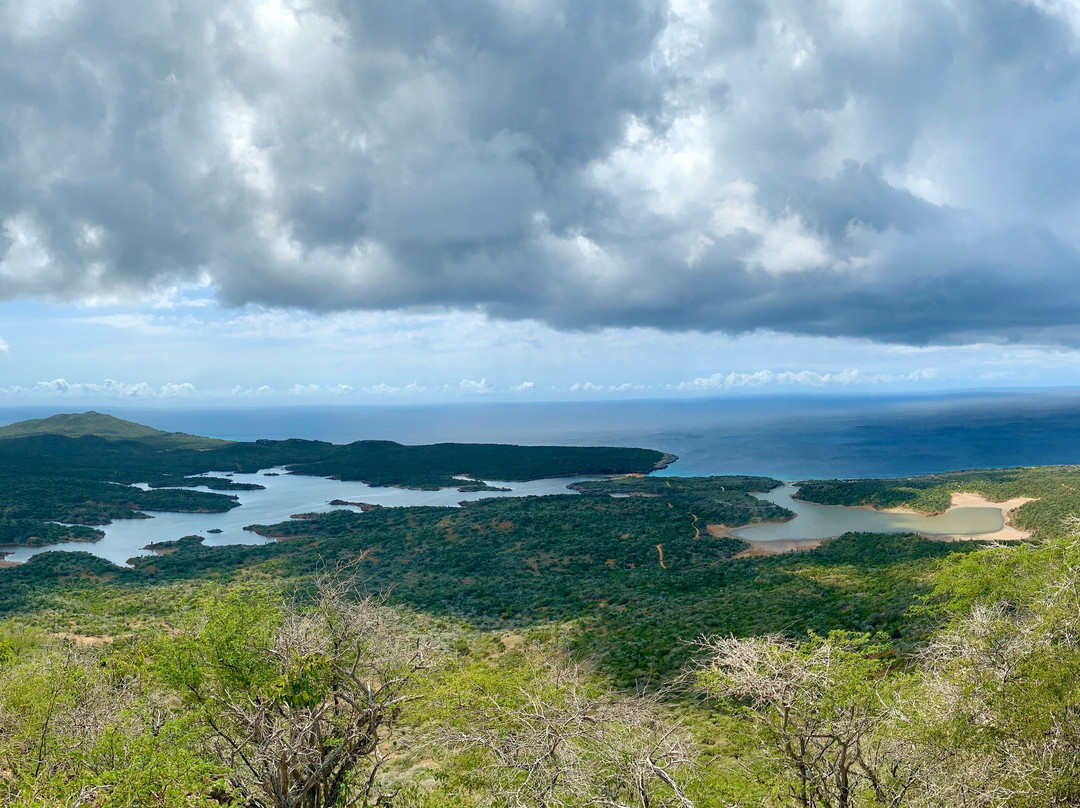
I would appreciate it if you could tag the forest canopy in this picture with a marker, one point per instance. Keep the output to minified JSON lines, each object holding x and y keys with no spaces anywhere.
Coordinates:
{"x":598,"y":648}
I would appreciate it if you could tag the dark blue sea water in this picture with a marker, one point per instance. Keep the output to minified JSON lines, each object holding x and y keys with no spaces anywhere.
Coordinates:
{"x":787,"y":437}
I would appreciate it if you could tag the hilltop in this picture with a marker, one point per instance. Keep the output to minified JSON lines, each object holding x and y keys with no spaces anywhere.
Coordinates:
{"x":102,"y":425}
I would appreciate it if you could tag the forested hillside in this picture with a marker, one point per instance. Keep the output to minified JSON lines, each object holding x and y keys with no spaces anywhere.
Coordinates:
{"x":259,"y":690}
{"x":598,"y":649}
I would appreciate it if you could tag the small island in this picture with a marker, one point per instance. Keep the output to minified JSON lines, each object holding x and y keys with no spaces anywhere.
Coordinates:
{"x":343,"y":503}
{"x":163,"y":548}
{"x":86,"y":470}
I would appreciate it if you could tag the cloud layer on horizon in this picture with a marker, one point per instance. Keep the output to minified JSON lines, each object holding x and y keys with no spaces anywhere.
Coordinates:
{"x":904,"y":172}
{"x":112,"y":390}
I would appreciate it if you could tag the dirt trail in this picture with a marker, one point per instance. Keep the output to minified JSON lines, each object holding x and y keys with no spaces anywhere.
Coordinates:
{"x":697,"y":530}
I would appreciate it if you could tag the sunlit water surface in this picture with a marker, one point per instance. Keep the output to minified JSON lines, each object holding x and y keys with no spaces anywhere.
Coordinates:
{"x":283,"y":496}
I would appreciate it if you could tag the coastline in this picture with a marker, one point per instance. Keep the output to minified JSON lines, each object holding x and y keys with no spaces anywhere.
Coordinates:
{"x":962,"y":499}
{"x":665,"y":461}
{"x":968,"y":499}
{"x":762,"y":548}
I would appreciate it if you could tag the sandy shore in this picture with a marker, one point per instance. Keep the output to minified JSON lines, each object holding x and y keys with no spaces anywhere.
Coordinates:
{"x":761,"y":548}
{"x":1008,"y":532}
{"x":765,"y":548}
{"x":966,"y":499}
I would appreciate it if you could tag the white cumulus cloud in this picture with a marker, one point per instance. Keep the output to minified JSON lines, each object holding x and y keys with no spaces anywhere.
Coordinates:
{"x":473,"y":386}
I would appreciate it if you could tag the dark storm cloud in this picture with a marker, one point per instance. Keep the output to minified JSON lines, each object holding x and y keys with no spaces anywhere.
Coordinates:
{"x":902,"y":171}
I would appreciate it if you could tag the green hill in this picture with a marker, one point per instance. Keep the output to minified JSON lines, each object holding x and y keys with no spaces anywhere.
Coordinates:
{"x":100,"y":425}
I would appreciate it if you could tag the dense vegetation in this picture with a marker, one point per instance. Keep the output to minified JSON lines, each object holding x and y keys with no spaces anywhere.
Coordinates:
{"x":574,"y":650}
{"x":159,"y":455}
{"x":82,"y":473}
{"x":721,"y":500}
{"x":36,"y":533}
{"x":31,"y":504}
{"x":591,"y":560}
{"x":437,"y":466}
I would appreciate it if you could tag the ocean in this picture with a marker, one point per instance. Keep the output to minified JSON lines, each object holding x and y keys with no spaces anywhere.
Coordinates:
{"x":787,"y":437}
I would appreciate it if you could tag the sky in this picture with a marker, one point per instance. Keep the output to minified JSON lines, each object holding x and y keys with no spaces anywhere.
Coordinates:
{"x":278,"y":202}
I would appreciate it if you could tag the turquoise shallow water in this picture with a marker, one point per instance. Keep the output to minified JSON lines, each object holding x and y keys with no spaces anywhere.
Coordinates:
{"x":826,"y":521}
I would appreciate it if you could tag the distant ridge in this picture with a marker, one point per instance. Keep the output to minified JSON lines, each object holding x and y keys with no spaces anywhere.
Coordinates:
{"x":101,"y":425}
{"x":78,"y":425}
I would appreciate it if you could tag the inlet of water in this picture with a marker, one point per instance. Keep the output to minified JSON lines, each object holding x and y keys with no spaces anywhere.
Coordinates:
{"x":814,"y":521}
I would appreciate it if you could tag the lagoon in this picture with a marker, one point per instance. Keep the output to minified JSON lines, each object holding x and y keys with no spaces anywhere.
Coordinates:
{"x":814,"y":521}
{"x":285,"y":494}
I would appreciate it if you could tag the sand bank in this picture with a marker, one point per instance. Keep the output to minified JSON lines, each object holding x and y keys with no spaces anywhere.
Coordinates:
{"x":967,"y":499}
{"x":760,"y":548}
{"x":1008,"y":531}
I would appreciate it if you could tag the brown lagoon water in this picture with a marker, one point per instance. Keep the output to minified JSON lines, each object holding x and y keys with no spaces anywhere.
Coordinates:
{"x":826,"y":521}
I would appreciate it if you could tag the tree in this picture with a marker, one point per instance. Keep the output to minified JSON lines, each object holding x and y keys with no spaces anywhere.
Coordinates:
{"x":545,"y":734}
{"x":77,"y":727}
{"x":997,"y":717}
{"x":301,"y":702}
{"x":818,"y":710}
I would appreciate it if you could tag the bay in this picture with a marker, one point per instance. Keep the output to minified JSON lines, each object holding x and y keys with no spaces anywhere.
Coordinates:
{"x":788,"y":437}
{"x":284,"y":495}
